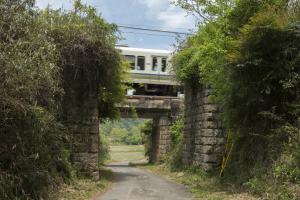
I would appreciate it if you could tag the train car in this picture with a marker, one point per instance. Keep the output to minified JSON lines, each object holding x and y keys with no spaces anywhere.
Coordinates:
{"x":151,"y":71}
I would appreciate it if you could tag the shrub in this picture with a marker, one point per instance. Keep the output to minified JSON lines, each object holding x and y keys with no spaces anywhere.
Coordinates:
{"x":147,"y":140}
{"x":174,"y":157}
{"x":124,"y":131}
{"x":249,"y":56}
{"x":33,"y":142}
{"x":37,"y":49}
{"x":103,"y":149}
{"x":265,"y":93}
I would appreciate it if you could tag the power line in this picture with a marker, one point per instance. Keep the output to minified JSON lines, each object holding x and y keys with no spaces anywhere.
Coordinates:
{"x":148,"y":34}
{"x":154,"y":30}
{"x":157,"y":27}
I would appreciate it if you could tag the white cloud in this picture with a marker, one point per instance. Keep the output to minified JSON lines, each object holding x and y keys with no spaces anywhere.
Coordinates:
{"x":169,"y":15}
{"x":175,"y":18}
{"x":163,"y":11}
{"x":66,"y":4}
{"x":153,"y":4}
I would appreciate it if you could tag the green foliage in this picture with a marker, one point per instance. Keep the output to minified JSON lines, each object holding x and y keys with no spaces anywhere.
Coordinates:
{"x":206,"y":10}
{"x":202,"y":59}
{"x":86,"y":44}
{"x":32,"y":141}
{"x":103,"y":149}
{"x":249,"y":56}
{"x":264,"y":105}
{"x":37,"y":49}
{"x":147,"y":140}
{"x":174,"y":157}
{"x":124,"y":131}
{"x":118,"y":135}
{"x":135,"y":137}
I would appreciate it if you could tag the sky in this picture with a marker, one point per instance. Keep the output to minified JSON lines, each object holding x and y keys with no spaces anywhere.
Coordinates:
{"x":153,"y":14}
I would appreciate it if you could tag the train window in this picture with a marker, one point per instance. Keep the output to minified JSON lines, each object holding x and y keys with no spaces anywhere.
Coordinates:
{"x":164,"y":64}
{"x":141,"y":62}
{"x":131,"y":60}
{"x":154,"y":64}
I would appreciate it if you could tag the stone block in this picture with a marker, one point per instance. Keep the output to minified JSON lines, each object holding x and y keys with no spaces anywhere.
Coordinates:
{"x":80,"y":143}
{"x":208,"y":116}
{"x":206,"y":100}
{"x":94,"y":129}
{"x":165,"y":137}
{"x":210,"y":141}
{"x":86,"y":164}
{"x":205,"y":149}
{"x":205,"y":158}
{"x":163,"y":142}
{"x":93,"y":143}
{"x":209,"y":133}
{"x":208,"y":166}
{"x":210,"y":108}
{"x":163,"y":121}
{"x":163,"y":129}
{"x":209,"y":125}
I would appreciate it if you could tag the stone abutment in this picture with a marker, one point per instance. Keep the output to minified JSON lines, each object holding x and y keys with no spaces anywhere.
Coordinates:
{"x":204,"y":136}
{"x":80,"y":113}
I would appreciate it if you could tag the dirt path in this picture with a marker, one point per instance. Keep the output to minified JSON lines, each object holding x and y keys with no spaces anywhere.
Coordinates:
{"x":131,"y":183}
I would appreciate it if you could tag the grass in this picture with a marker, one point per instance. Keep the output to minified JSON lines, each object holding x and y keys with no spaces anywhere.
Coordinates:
{"x":83,"y":188}
{"x":87,"y":189}
{"x":201,"y":184}
{"x":128,"y":153}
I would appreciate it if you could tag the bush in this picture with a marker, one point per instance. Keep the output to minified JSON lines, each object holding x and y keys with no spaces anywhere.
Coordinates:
{"x":37,"y":50}
{"x":265,"y":93}
{"x":134,"y":136}
{"x":174,"y":156}
{"x":33,"y":143}
{"x":249,"y":56}
{"x":124,"y":132}
{"x":103,"y":149}
{"x":147,"y":140}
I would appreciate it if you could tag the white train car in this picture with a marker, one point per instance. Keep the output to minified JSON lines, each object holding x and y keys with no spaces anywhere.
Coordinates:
{"x":151,"y":71}
{"x":149,"y":65}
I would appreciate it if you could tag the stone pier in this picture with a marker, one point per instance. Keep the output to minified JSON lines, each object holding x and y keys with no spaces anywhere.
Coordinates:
{"x":85,"y":141}
{"x":82,"y":119}
{"x":204,"y":137}
{"x":160,"y":139}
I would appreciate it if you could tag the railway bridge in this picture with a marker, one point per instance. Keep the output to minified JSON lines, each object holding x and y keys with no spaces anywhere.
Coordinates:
{"x":203,"y":134}
{"x":85,"y":129}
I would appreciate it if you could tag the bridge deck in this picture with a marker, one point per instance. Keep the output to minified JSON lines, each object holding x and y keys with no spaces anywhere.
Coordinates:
{"x":149,"y":106}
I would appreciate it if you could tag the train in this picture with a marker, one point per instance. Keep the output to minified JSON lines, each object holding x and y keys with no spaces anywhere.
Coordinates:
{"x":150,"y":72}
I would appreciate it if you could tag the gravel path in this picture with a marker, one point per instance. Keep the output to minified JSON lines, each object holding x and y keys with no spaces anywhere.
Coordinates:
{"x":131,"y":183}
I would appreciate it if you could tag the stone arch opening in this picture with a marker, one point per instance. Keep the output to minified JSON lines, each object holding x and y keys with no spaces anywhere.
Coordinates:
{"x":162,"y":111}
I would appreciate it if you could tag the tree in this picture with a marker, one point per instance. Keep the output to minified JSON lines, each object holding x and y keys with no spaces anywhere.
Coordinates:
{"x":32,"y":140}
{"x":249,"y":56}
{"x":206,"y":10}
{"x":36,"y":48}
{"x":119,"y":134}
